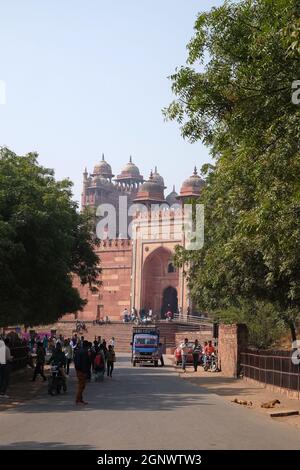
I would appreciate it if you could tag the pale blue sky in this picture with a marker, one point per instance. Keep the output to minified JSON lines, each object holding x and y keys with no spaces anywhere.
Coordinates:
{"x":86,"y":77}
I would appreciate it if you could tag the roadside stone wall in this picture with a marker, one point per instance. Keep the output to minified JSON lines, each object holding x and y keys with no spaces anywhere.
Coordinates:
{"x":232,"y":340}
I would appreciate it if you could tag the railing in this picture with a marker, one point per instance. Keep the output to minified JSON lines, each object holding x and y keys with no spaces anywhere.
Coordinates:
{"x":192,"y":319}
{"x":177,"y":318}
{"x":271,"y":367}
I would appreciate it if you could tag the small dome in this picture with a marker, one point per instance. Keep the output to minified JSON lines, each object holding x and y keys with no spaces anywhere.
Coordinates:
{"x":172,"y":197}
{"x":130,"y":169}
{"x":129,"y":172}
{"x":157,"y":178}
{"x":192,"y":186}
{"x":103,"y":168}
{"x":150,"y":191}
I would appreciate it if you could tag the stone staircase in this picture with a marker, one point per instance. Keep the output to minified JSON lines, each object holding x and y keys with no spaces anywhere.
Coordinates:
{"x":122,"y":332}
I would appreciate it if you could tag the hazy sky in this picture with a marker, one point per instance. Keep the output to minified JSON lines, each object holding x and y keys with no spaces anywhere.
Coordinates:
{"x":86,"y":77}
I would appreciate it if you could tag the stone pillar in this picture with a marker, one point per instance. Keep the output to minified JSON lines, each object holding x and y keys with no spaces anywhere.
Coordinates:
{"x":233,"y":339}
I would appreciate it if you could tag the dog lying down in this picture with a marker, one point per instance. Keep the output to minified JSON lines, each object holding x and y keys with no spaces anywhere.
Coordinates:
{"x":242,"y":402}
{"x":270,"y":404}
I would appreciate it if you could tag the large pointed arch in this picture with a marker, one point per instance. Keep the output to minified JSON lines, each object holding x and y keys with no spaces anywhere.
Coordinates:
{"x":169,"y":300}
{"x":156,"y":278}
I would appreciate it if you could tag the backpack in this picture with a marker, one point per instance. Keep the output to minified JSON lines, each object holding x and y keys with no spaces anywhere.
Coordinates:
{"x":98,"y":361}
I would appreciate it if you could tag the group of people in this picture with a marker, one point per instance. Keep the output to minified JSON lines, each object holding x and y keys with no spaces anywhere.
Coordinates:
{"x":101,"y":321}
{"x":129,"y":317}
{"x":201,"y":354}
{"x":92,"y":360}
{"x":146,"y":316}
{"x":80,"y":326}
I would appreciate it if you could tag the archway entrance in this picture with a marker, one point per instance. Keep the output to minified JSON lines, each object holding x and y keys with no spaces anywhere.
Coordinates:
{"x":169,"y":301}
{"x":156,"y":278}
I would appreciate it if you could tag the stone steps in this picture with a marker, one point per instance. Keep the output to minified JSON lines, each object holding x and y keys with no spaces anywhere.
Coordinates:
{"x":122,"y":332}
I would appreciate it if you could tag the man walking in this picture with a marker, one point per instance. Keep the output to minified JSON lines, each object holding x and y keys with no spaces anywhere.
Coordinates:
{"x":196,"y":353}
{"x":5,"y":365}
{"x":40,"y":362}
{"x":184,"y":353}
{"x":160,"y":354}
{"x":67,"y":349}
{"x":111,"y":359}
{"x":45,"y":343}
{"x":82,"y":364}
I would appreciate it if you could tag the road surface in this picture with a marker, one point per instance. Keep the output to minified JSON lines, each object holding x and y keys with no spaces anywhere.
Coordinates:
{"x":141,"y":408}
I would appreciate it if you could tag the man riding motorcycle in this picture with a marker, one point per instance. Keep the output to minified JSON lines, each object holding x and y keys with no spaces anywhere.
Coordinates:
{"x":209,"y":357}
{"x":58,"y":375}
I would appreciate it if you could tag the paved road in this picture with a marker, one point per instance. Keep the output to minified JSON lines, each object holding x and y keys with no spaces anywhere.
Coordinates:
{"x":141,"y":408}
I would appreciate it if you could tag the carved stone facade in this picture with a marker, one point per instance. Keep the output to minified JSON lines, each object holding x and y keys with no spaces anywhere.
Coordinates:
{"x":138,"y":272}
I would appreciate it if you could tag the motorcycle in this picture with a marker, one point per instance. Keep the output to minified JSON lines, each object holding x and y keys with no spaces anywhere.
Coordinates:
{"x":211,"y":363}
{"x":56,"y":381}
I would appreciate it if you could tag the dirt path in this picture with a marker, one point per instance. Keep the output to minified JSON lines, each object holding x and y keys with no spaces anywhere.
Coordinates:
{"x":229,"y":389}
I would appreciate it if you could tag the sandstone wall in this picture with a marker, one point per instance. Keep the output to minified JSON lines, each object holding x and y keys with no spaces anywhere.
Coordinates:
{"x":114,"y":293}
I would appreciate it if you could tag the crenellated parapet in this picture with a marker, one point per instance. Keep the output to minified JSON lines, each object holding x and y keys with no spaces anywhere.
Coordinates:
{"x":165,"y":214}
{"x":115,"y":244}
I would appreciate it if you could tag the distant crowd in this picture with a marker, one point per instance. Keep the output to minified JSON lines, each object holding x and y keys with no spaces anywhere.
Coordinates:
{"x":92,"y":360}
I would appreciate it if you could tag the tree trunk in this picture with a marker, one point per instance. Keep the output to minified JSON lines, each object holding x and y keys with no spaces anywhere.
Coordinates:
{"x":293,"y":330}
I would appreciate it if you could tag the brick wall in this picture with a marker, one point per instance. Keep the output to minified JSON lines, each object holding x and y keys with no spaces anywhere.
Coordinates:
{"x":114,"y":293}
{"x":201,"y":336}
{"x":232,"y":340}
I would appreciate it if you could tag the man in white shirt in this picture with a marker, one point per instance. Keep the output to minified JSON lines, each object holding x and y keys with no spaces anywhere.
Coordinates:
{"x":5,"y":364}
{"x":184,"y":353}
{"x":2,"y":352}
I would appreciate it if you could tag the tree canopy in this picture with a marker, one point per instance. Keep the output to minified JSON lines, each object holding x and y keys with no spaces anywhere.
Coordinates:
{"x":44,"y":242}
{"x":235,"y":94}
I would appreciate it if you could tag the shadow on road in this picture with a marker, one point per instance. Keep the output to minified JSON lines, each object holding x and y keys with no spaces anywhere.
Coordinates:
{"x":131,"y":388}
{"x":223,"y":386}
{"x":43,"y":445}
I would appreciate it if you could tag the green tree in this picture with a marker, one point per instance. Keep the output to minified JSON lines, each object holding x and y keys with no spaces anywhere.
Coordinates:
{"x":44,"y":242}
{"x":264,"y":322}
{"x":235,"y":95}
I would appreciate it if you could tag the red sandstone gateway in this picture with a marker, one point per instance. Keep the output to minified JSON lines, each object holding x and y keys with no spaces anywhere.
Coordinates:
{"x":177,"y":354}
